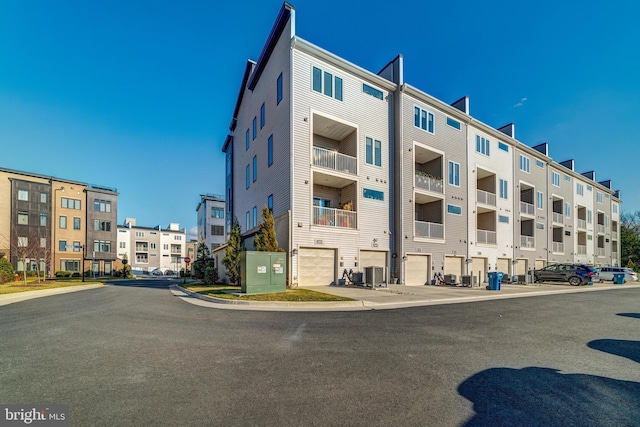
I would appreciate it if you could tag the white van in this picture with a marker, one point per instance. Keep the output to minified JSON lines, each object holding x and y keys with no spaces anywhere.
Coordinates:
{"x":606,"y":273}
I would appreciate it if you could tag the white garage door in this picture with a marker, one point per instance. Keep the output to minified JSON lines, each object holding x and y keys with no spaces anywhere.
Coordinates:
{"x":521,"y":266}
{"x":372,"y":259}
{"x":540,"y":264}
{"x":316,"y":266}
{"x":504,"y":265}
{"x":479,"y":269}
{"x":453,"y":265}
{"x":417,"y":270}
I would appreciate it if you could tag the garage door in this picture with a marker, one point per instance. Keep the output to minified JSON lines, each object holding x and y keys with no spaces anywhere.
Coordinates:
{"x":521,"y":266}
{"x":540,"y":264}
{"x":504,"y":265}
{"x":316,"y":266}
{"x":417,"y":270}
{"x":372,"y":259}
{"x":479,"y":269}
{"x":453,"y":265}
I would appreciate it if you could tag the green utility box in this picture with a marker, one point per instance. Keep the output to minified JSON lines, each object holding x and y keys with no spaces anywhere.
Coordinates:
{"x":263,"y":272}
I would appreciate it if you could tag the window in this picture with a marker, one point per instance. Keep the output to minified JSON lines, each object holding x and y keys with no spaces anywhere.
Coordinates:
{"x":270,"y":202}
{"x":217,"y":212}
{"x":589,"y":188}
{"x":567,"y":233}
{"x":279,"y":89}
{"x":606,"y":196}
{"x":567,"y":210}
{"x":589,"y":217}
{"x":606,"y":221}
{"x":76,"y":223}
{"x":567,"y":178}
{"x":262,"y":116}
{"x":23,"y":218}
{"x":580,"y":189}
{"x":23,"y":242}
{"x":255,"y":127}
{"x":615,"y":208}
{"x":255,"y":168}
{"x":139,"y":233}
{"x":372,"y":91}
{"x":270,"y":151}
{"x":599,"y":197}
{"x":101,"y":205}
{"x":373,"y":152}
{"x":372,"y":194}
{"x":504,"y":189}
{"x":423,"y":119}
{"x":77,"y":246}
{"x":503,"y":219}
{"x":102,"y":246}
{"x":454,"y":174}
{"x":453,"y":123}
{"x":539,"y":164}
{"x":43,"y":219}
{"x":217,"y":230}
{"x":70,"y":203}
{"x":62,"y":245}
{"x":555,"y":179}
{"x":525,"y":164}
{"x":165,"y":246}
{"x":43,"y":242}
{"x":247,"y":176}
{"x":152,"y":245}
{"x":63,"y":222}
{"x":482,"y":145}
{"x":248,"y":221}
{"x":502,"y":146}
{"x":43,"y":197}
{"x":540,"y":200}
{"x":23,"y":195}
{"x":102,"y":225}
{"x":326,"y":85}
{"x":177,"y":237}
{"x":453,"y":209}
{"x":123,"y":245}
{"x":540,"y":225}
{"x":247,"y":140}
{"x":255,"y":216}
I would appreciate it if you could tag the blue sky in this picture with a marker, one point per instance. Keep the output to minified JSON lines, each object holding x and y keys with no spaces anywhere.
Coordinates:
{"x":139,"y":95}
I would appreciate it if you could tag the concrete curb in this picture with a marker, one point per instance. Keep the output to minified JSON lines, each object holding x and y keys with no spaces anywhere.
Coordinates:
{"x":7,"y":299}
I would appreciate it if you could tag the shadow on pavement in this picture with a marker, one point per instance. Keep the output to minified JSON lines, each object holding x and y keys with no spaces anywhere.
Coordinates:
{"x":634,"y":315}
{"x":623,"y":348}
{"x":538,"y":396}
{"x":151,"y":283}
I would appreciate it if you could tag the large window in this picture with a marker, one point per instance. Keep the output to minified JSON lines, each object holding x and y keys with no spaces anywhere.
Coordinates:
{"x":69,"y":265}
{"x":453,"y":209}
{"x":102,"y":246}
{"x":217,"y":212}
{"x":504,"y":187}
{"x":70,"y":203}
{"x":23,"y":242}
{"x":372,"y":194}
{"x":279,"y":89}
{"x":324,"y":82}
{"x":525,"y":164}
{"x":423,"y":119}
{"x":482,"y":145}
{"x":217,"y":230}
{"x":23,"y":218}
{"x":373,"y":151}
{"x":101,"y":205}
{"x":454,"y":174}
{"x":99,"y":225}
{"x":270,"y":150}
{"x":23,"y":195}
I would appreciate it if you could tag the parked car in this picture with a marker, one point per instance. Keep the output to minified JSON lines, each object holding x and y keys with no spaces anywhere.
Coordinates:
{"x":575,"y":274}
{"x":157,"y":272}
{"x":606,"y":273}
{"x":169,"y":273}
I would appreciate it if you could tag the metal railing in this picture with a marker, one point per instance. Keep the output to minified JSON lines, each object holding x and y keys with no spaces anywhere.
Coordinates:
{"x":334,"y":160}
{"x":582,"y":223}
{"x":527,"y":241}
{"x":527,"y":208}
{"x":600,"y":251}
{"x":557,"y":217}
{"x":331,"y":217}
{"x":429,"y":229}
{"x":486,"y":237}
{"x":557,"y":247}
{"x":614,"y":235}
{"x":142,"y":249}
{"x":485,"y":197}
{"x":582,"y":249}
{"x":429,"y":184}
{"x":600,"y":228}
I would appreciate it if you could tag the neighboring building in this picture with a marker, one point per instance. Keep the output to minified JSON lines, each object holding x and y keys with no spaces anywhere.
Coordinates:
{"x":151,"y":248}
{"x":43,"y":224}
{"x":361,"y":169}
{"x":211,"y":220}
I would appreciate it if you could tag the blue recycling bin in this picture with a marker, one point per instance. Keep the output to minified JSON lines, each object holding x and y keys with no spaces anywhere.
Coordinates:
{"x":618,"y":278}
{"x":494,"y":281}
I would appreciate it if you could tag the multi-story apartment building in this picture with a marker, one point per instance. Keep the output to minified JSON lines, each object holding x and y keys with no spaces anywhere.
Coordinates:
{"x":362,"y":169}
{"x":151,"y":248}
{"x":47,"y":224}
{"x":211,"y":220}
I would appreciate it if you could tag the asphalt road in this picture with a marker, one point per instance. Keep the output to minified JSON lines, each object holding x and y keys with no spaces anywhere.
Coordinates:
{"x":138,"y":356}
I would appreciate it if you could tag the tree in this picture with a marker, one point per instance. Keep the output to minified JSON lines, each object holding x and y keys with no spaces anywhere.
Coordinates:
{"x":126,"y":268}
{"x":6,"y":270}
{"x":204,"y":266}
{"x":231,"y":261}
{"x":630,"y":238}
{"x":265,"y":239}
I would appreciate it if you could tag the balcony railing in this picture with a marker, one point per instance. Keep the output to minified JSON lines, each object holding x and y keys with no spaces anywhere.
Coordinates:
{"x":430,"y":184}
{"x":486,"y":237}
{"x":527,"y":241}
{"x":331,"y":217}
{"x":485,"y":197}
{"x":600,"y":228}
{"x":176,"y":250}
{"x":431,"y":230}
{"x":527,"y":208}
{"x":614,"y":249}
{"x":557,"y":247}
{"x":582,"y":223}
{"x":614,"y":235}
{"x":600,"y":251}
{"x":142,"y":249}
{"x":557,"y":217}
{"x":334,"y":160}
{"x":582,"y":249}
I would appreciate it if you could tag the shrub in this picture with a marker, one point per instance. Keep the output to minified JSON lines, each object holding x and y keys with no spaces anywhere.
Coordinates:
{"x":210,"y":276}
{"x":63,"y":273}
{"x":6,"y":271}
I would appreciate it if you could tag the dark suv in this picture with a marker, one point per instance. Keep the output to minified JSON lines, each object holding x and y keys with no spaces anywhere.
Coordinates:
{"x":575,"y":274}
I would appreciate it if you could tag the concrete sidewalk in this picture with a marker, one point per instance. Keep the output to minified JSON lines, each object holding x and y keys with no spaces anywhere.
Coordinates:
{"x":395,"y":296}
{"x":6,"y":299}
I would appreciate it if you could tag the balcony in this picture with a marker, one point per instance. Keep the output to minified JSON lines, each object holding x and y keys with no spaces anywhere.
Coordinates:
{"x":557,"y":217}
{"x":600,"y":252}
{"x":582,"y":249}
{"x":557,"y":247}
{"x":333,"y":160}
{"x":614,"y":235}
{"x":527,"y":208}
{"x":176,"y":250}
{"x":429,"y":183}
{"x":528,"y":242}
{"x":601,"y":228}
{"x":485,"y":198}
{"x":331,"y":217}
{"x":582,"y":223}
{"x":429,"y":230}
{"x":614,"y":249}
{"x":486,"y":237}
{"x":142,"y":249}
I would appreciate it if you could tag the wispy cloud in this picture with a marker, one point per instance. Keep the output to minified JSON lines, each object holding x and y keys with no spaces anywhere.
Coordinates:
{"x":192,"y":234}
{"x":521,"y":103}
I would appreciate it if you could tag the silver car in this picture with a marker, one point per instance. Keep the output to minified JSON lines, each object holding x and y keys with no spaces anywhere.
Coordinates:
{"x":606,"y":273}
